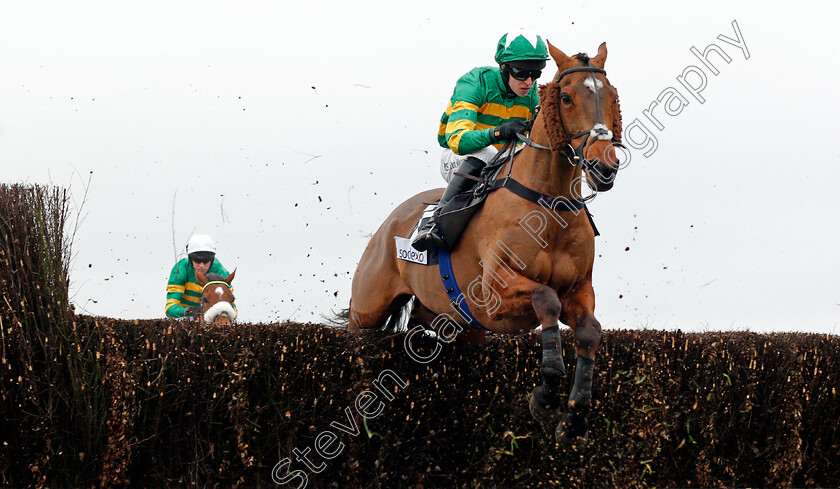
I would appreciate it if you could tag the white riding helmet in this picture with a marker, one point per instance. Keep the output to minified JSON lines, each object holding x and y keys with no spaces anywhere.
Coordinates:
{"x":201,"y":242}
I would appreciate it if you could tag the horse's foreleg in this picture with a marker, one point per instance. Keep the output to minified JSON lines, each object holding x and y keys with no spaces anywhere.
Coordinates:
{"x":574,"y":426}
{"x":587,"y":337}
{"x":545,"y":403}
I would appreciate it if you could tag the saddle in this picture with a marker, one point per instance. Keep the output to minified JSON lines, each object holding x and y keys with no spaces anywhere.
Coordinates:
{"x":457,"y":213}
{"x":452,"y":218}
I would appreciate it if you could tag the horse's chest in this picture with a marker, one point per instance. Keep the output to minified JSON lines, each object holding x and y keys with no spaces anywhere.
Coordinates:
{"x":568,"y":269}
{"x":567,"y":265}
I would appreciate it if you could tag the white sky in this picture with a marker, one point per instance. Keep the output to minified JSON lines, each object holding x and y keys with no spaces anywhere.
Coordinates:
{"x":289,"y":131}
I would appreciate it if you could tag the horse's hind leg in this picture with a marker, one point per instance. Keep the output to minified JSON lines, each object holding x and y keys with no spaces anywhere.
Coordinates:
{"x":428,"y":319}
{"x":545,"y":403}
{"x":377,"y":293}
{"x":375,"y":315}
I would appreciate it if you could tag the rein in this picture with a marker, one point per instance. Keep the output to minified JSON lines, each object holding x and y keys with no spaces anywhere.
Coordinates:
{"x":488,"y":183}
{"x":575,"y":155}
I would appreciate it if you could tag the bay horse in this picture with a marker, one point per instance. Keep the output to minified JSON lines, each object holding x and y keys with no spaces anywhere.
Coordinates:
{"x":527,"y":254}
{"x":216,"y":298}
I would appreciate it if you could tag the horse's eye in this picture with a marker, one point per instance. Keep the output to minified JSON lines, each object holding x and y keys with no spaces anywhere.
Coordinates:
{"x":565,"y":99}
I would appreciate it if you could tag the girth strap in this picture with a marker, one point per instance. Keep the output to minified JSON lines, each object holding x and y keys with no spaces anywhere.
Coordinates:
{"x":456,"y":298}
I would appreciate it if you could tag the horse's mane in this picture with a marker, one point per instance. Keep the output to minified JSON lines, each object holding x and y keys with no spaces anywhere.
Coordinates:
{"x":214,"y":277}
{"x":550,"y":110}
{"x":616,"y":128}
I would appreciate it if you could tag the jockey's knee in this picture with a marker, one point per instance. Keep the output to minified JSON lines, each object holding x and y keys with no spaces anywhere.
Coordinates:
{"x":451,"y":161}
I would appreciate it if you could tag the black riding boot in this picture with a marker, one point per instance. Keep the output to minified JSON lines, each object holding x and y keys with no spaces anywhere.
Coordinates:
{"x":429,"y":235}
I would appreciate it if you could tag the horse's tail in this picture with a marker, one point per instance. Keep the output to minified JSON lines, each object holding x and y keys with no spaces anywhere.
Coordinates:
{"x":398,"y":320}
{"x":338,"y":319}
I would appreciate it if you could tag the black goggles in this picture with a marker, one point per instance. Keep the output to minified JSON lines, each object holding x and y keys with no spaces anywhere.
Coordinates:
{"x":201,"y":259}
{"x":522,"y":75}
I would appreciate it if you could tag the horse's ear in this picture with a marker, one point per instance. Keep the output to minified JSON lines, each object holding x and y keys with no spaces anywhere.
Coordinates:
{"x":202,"y":280}
{"x":601,"y":58}
{"x":229,"y":278}
{"x":559,"y":56}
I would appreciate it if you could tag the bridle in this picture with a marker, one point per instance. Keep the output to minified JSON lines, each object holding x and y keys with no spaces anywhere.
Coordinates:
{"x":598,"y":132}
{"x":214,"y":282}
{"x":488,"y":182}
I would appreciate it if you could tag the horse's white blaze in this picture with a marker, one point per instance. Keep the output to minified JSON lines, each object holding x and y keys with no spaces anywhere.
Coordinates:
{"x":218,"y":309}
{"x":588,"y":83}
{"x":219,"y":291}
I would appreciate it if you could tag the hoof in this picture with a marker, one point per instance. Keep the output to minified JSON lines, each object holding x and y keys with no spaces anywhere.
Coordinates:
{"x":542,"y":412}
{"x":573,"y":430}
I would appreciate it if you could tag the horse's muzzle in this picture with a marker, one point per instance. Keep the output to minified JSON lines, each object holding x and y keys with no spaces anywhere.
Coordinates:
{"x":222,"y":308}
{"x":601,"y":175}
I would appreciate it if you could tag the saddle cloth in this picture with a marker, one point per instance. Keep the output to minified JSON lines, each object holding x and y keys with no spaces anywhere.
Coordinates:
{"x":452,"y":220}
{"x":404,"y":249}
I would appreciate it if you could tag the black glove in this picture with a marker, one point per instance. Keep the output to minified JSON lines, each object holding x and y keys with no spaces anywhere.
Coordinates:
{"x":508,"y":131}
{"x":193,"y":312}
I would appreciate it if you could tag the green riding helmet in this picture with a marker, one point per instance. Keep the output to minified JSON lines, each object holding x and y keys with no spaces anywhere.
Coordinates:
{"x":521,"y":45}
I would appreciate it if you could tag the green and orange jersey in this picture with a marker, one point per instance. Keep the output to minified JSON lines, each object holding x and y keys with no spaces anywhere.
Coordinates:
{"x":479,"y":103}
{"x":183,"y":290}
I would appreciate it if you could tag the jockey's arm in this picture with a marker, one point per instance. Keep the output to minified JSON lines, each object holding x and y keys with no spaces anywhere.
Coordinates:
{"x":174,"y":309}
{"x":460,"y":128}
{"x":463,"y":136}
{"x":175,"y":292}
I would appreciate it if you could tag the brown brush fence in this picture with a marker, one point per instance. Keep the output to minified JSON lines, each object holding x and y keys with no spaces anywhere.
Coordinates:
{"x":101,"y":402}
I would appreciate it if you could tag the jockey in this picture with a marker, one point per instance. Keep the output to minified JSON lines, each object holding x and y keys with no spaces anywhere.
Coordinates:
{"x":489,"y":106}
{"x":183,"y":294}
